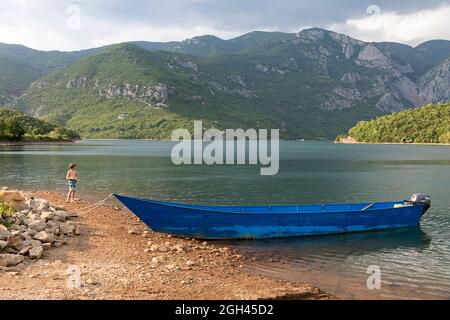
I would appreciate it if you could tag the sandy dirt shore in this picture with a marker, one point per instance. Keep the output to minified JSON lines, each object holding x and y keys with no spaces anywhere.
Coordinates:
{"x":120,"y":258}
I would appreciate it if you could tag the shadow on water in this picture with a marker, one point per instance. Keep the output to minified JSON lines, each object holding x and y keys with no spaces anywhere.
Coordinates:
{"x":338,"y":263}
{"x":343,"y":245}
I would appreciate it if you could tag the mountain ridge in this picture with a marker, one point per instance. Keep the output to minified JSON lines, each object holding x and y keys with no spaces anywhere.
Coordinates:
{"x":312,"y":84}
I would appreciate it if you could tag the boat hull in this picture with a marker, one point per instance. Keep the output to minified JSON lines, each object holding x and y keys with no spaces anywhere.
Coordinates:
{"x":208,"y":222}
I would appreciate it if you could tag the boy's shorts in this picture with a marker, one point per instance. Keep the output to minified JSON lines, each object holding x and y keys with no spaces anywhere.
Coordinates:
{"x":72,"y":184}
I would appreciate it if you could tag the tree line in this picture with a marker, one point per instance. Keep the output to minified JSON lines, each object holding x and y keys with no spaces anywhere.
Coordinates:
{"x":16,"y":126}
{"x":428,"y":124}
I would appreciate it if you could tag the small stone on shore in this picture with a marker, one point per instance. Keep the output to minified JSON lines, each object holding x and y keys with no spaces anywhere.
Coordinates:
{"x":190,"y":263}
{"x":44,"y":236}
{"x":4,"y":234}
{"x":47,"y":215}
{"x":15,"y":241}
{"x":38,"y":225}
{"x":36,"y":252}
{"x":10,"y":260}
{"x":3,"y":244}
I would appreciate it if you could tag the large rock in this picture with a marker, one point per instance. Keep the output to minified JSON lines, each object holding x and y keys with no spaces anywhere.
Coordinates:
{"x":14,"y":198}
{"x":11,"y":195}
{"x":30,"y":232}
{"x":10,"y":260}
{"x":36,"y":252}
{"x":32,"y":217}
{"x":38,"y":225}
{"x":35,"y":243}
{"x":30,"y":202}
{"x":45,"y":237}
{"x":18,"y":227}
{"x":47,"y":215}
{"x":21,"y":217}
{"x":25,"y":249}
{"x":41,"y":204}
{"x":53,"y":224}
{"x":4,"y":234}
{"x":60,"y":216}
{"x":16,"y":242}
{"x":55,"y":230}
{"x":67,"y":229}
{"x":18,"y":205}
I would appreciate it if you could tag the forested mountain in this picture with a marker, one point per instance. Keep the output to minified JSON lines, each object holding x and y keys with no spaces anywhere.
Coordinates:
{"x":311,"y":84}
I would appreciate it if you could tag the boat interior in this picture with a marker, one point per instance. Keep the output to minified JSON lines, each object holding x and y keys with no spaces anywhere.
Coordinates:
{"x":356,"y":207}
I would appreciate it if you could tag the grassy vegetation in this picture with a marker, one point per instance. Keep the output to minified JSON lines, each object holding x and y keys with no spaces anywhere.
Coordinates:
{"x":6,"y":210}
{"x":428,"y":124}
{"x":20,"y":66}
{"x":16,"y":126}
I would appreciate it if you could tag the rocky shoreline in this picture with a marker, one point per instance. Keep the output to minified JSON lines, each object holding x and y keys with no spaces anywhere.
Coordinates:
{"x":110,"y":254}
{"x":30,"y":225}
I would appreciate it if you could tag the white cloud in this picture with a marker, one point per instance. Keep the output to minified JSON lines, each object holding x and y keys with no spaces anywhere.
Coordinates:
{"x":47,"y":25}
{"x":138,"y":32}
{"x":412,"y":28}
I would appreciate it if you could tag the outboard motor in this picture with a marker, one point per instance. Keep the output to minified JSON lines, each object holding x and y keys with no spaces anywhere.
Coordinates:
{"x":420,"y":198}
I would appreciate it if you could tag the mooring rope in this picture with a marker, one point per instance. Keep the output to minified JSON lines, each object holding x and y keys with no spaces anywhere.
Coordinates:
{"x":95,"y":205}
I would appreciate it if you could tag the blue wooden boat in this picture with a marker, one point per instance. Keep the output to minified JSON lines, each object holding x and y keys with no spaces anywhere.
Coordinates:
{"x":258,"y":222}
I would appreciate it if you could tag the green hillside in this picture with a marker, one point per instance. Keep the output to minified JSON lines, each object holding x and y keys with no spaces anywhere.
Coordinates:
{"x":428,"y":124}
{"x":15,"y":126}
{"x":226,"y":91}
{"x":15,"y":77}
{"x":314,"y":84}
{"x":20,"y":66}
{"x":87,"y":107}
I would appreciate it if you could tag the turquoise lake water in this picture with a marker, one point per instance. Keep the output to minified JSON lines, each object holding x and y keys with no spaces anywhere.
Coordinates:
{"x":414,"y":263}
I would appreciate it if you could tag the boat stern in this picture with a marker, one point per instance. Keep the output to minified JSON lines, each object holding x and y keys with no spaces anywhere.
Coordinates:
{"x":420,"y":199}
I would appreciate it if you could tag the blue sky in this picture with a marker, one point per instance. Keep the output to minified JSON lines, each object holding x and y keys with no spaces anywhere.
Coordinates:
{"x":73,"y":25}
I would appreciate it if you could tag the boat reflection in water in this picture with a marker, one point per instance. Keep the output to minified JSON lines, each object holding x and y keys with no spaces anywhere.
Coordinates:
{"x":346,"y":244}
{"x":339,"y":263}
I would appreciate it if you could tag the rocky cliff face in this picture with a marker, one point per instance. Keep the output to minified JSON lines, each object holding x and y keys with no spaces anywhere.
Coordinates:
{"x":435,"y":84}
{"x":151,"y":95}
{"x":375,"y":71}
{"x":372,"y":57}
{"x":394,"y":82}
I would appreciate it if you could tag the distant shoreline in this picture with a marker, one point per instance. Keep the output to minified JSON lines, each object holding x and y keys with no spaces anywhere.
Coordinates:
{"x":350,"y":140}
{"x":169,"y":140}
{"x":31,"y":142}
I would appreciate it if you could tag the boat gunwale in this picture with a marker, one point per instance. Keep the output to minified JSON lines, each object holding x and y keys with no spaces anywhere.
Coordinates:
{"x":213,"y":209}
